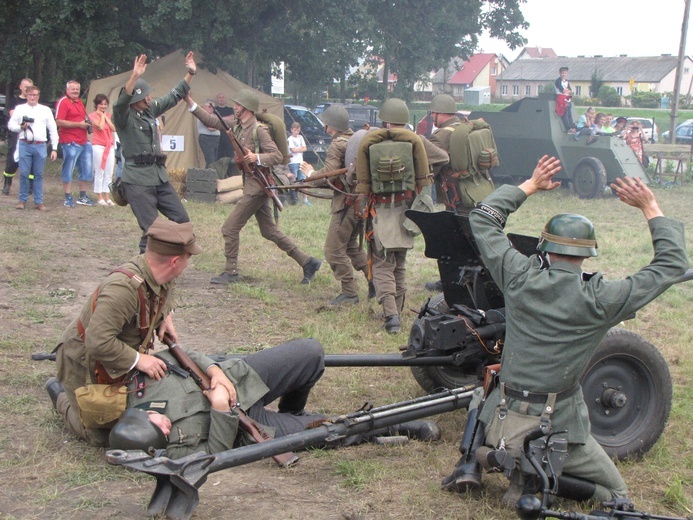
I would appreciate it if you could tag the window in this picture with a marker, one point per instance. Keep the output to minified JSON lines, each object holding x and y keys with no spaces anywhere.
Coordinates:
{"x":540,"y":89}
{"x":493,"y":71}
{"x":686,"y":70}
{"x":578,"y":90}
{"x":516,"y":90}
{"x":619,"y":90}
{"x":528,"y":90}
{"x":504,"y":90}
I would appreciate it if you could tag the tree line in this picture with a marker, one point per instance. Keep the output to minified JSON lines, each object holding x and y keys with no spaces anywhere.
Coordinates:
{"x":52,"y":41}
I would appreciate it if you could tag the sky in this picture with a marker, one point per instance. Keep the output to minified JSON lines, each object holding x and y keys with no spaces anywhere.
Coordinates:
{"x":601,"y":27}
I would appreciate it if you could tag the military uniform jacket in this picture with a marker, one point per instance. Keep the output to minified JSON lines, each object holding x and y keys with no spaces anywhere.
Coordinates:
{"x":194,"y":425}
{"x":112,"y":330}
{"x":441,"y":138}
{"x":335,"y":161}
{"x":557,"y":316}
{"x":138,"y":134}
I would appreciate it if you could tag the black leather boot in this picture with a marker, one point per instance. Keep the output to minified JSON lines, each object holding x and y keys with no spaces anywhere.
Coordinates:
{"x":419,"y":430}
{"x":54,"y":389}
{"x":6,"y":185}
{"x":294,"y":402}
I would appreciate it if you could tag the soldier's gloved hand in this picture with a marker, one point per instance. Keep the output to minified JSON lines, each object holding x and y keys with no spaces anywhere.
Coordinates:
{"x":152,"y":366}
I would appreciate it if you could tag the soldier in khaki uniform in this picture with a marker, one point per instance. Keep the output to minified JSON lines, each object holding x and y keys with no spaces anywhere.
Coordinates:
{"x":259,"y":148}
{"x":390,"y":238}
{"x":557,"y":314}
{"x":342,"y":250}
{"x":148,"y":189}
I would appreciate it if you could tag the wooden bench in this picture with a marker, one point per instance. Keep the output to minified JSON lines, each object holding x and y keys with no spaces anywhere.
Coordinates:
{"x":681,"y":154}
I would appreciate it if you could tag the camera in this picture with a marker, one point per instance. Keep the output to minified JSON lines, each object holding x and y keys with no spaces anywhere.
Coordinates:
{"x":90,"y":129}
{"x":27,"y":120}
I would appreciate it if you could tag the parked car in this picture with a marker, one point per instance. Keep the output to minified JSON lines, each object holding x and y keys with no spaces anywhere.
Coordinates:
{"x":321,"y":108}
{"x":649,"y":128}
{"x":317,"y":141}
{"x":684,"y":133}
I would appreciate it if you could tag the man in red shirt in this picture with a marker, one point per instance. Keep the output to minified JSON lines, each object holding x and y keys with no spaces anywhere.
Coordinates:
{"x":74,"y":128}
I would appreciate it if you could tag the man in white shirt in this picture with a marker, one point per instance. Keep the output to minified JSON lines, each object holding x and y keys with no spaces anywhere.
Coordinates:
{"x":35,"y":125}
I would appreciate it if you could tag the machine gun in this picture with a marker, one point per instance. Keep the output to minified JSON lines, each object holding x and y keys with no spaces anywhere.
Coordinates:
{"x":530,"y":507}
{"x":178,"y":481}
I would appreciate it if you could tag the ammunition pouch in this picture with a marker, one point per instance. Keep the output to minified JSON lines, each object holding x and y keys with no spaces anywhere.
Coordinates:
{"x":147,"y":159}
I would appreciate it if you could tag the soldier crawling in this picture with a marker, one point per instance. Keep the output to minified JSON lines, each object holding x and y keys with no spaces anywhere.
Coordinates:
{"x":557,"y":314}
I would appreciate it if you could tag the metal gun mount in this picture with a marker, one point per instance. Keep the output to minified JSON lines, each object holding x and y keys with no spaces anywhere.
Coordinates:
{"x":178,"y":481}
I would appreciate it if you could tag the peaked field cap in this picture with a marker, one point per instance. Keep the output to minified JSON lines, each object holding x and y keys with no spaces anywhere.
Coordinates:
{"x":140,"y":91}
{"x":169,"y":238}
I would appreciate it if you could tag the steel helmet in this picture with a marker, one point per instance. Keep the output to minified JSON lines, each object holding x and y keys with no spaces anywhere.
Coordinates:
{"x":134,"y":431}
{"x":394,"y":111}
{"x":443,"y":104}
{"x":568,"y":234}
{"x":336,"y":117}
{"x":247,"y":99}
{"x":141,"y":91}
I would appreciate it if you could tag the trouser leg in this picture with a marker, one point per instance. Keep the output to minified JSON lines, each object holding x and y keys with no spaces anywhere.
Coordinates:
{"x":66,"y":405}
{"x":143,"y":202}
{"x":245,"y":208}
{"x":339,"y":247}
{"x":270,"y":230}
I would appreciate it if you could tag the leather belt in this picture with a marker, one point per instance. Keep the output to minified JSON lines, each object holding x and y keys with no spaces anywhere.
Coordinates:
{"x":33,"y":142}
{"x":530,"y":397}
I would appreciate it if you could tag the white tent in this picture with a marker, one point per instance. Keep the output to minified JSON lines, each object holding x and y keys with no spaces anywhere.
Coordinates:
{"x":165,"y":73}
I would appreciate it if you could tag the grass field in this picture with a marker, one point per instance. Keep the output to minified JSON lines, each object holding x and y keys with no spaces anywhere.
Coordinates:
{"x":51,"y":262}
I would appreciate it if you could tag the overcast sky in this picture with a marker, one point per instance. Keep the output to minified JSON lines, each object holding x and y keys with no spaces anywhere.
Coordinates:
{"x":606,"y":27}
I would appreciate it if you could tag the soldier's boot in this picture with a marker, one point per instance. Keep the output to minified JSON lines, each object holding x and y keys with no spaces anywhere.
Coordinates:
{"x":467,"y":473}
{"x":309,"y":269}
{"x":7,"y":183}
{"x":421,"y":430}
{"x":294,"y":402}
{"x":54,"y":389}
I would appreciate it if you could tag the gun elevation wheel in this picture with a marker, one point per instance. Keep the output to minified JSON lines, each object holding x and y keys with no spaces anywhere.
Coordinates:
{"x":589,"y":178}
{"x":628,"y":391}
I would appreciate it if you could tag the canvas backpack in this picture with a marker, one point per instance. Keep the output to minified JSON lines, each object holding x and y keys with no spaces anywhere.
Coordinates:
{"x":277,"y":130}
{"x":473,"y":150}
{"x":392,"y":167}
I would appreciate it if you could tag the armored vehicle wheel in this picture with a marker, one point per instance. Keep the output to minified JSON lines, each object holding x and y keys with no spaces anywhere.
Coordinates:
{"x":589,"y":178}
{"x":628,"y":391}
{"x":434,"y":379}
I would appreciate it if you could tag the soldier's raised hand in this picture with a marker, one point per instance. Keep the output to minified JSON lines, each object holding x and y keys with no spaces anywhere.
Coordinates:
{"x":140,"y":65}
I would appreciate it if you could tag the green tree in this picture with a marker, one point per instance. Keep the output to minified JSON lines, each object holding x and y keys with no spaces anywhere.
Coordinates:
{"x":595,"y":83}
{"x":609,"y":96}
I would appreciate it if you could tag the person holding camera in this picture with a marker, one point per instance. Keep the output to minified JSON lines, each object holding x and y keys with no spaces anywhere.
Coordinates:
{"x":74,"y":127}
{"x":34,"y":123}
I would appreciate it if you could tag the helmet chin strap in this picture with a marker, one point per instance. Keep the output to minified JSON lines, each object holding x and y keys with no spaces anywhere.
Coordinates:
{"x":240,"y":113}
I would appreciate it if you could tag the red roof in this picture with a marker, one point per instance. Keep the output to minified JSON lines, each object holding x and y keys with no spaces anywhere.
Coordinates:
{"x":470,"y":69}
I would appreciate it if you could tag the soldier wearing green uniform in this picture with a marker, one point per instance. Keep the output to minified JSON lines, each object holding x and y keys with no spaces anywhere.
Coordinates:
{"x":342,"y":249}
{"x":557,"y":314}
{"x":148,"y":189}
{"x":112,"y":336}
{"x":259,"y":148}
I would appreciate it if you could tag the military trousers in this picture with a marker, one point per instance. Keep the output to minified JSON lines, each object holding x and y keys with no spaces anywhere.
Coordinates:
{"x":147,"y":201}
{"x":342,"y":249}
{"x":389,"y":277}
{"x":260,"y":206}
{"x":290,"y":371}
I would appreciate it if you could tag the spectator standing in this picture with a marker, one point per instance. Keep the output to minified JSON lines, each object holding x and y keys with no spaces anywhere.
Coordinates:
{"x":148,"y":189}
{"x":297,"y":145}
{"x":225,"y":148}
{"x":11,"y":164}
{"x":74,"y":127}
{"x":634,"y":139}
{"x":103,"y":147}
{"x":35,"y":124}
{"x":208,"y":137}
{"x":564,"y":100}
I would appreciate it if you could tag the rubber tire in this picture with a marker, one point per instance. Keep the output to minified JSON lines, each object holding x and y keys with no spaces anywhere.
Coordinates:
{"x":589,"y":178}
{"x":627,"y":361}
{"x":434,"y":379}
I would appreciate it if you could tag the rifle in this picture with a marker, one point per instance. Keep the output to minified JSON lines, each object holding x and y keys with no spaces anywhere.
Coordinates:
{"x":259,"y":435}
{"x":251,"y":169}
{"x":306,"y":183}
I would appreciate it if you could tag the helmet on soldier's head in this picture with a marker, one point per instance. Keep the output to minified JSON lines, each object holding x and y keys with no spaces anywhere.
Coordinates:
{"x":443,"y":104}
{"x":247,"y":99}
{"x":567,"y":234}
{"x":134,"y":431}
{"x":140,"y":91}
{"x":394,"y":111}
{"x":336,"y":117}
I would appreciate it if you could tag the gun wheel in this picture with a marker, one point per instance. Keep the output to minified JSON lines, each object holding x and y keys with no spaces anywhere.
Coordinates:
{"x":628,"y":391}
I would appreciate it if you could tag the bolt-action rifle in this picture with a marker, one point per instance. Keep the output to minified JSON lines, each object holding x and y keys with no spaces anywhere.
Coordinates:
{"x":251,"y":427}
{"x":306,"y":183}
{"x":257,"y":172}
